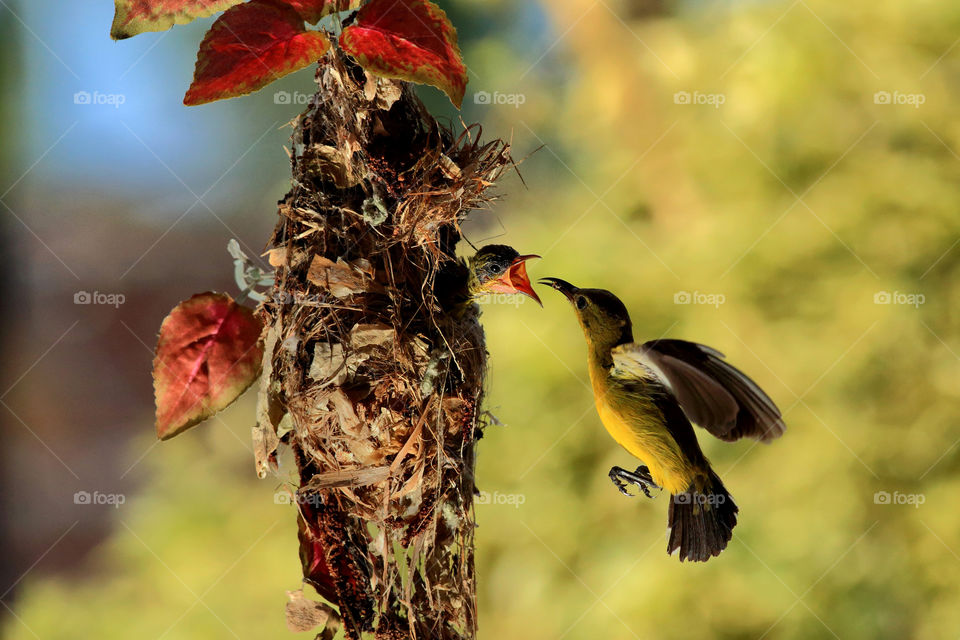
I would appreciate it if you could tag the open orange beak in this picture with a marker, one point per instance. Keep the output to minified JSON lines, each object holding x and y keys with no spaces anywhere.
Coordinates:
{"x":515,"y":279}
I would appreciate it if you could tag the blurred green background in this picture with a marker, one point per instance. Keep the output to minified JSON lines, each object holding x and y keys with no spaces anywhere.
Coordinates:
{"x":775,"y":179}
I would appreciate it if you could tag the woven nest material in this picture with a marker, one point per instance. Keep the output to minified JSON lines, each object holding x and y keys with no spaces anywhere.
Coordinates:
{"x":381,"y":384}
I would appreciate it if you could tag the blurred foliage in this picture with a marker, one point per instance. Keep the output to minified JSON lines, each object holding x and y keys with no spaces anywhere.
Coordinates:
{"x":799,"y":199}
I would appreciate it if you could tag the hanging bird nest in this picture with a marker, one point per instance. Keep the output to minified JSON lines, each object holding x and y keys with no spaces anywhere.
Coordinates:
{"x":373,"y":384}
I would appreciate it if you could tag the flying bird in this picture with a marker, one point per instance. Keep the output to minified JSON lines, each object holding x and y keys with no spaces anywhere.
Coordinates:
{"x":648,"y":394}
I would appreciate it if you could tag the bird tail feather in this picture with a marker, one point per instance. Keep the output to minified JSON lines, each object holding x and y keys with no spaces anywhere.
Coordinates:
{"x":701,"y":520}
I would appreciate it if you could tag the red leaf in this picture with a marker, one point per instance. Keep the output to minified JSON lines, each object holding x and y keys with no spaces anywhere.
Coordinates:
{"x":136,"y":16}
{"x":313,"y":10}
{"x":250,"y":46}
{"x":313,"y":560}
{"x":208,"y":353}
{"x":411,"y":40}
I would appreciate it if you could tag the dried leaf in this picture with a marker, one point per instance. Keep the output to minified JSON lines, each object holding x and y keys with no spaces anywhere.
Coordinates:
{"x":387,"y":94}
{"x":208,"y":353}
{"x":285,"y":425}
{"x":269,"y":411}
{"x":334,"y":164}
{"x":412,"y":484}
{"x":449,"y":167}
{"x":349,"y":422}
{"x":265,"y":443}
{"x":340,"y":278}
{"x":364,"y":336}
{"x":413,"y":442}
{"x":137,"y":16}
{"x":277,"y":257}
{"x":329,"y":365}
{"x":250,"y":46}
{"x":411,"y":40}
{"x":304,"y":614}
{"x":369,"y":86}
{"x":347,"y":478}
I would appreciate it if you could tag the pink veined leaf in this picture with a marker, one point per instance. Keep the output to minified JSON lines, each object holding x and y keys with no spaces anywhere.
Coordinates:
{"x":136,"y":16}
{"x":208,"y":353}
{"x":313,"y":10}
{"x":411,"y":40}
{"x":250,"y":46}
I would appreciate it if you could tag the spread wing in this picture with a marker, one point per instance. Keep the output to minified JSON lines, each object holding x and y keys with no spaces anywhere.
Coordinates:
{"x":712,"y":393}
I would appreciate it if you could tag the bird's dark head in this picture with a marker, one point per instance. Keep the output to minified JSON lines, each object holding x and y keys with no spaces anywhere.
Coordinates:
{"x":497,"y":268}
{"x":604,"y":319}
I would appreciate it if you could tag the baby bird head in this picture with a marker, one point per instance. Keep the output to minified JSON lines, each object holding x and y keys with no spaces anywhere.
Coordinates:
{"x":497,"y":268}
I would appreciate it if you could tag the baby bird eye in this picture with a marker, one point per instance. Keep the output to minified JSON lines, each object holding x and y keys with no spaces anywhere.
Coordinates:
{"x":580,"y":301}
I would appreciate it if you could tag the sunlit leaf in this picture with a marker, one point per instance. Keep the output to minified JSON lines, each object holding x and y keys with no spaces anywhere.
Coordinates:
{"x":136,"y":16}
{"x":250,"y":46}
{"x":208,"y":353}
{"x":411,"y":40}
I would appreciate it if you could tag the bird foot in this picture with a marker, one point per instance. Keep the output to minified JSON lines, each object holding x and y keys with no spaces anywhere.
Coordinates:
{"x":641,"y":477}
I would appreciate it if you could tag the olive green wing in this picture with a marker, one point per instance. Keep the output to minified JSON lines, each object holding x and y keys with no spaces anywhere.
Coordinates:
{"x":712,"y":393}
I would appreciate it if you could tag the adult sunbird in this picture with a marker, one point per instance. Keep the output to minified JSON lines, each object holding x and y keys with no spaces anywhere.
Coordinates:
{"x":648,"y":394}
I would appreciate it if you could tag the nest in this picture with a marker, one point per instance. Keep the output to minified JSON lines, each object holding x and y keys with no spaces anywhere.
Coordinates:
{"x":371,"y":381}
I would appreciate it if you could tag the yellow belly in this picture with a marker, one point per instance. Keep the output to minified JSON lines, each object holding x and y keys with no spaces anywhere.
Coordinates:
{"x":645,"y":437}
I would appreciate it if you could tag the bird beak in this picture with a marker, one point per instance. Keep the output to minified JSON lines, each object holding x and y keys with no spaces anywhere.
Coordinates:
{"x":515,"y":279}
{"x":562,"y":286}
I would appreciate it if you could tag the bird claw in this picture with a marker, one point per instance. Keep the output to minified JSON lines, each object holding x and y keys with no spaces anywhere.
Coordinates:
{"x":641,"y":477}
